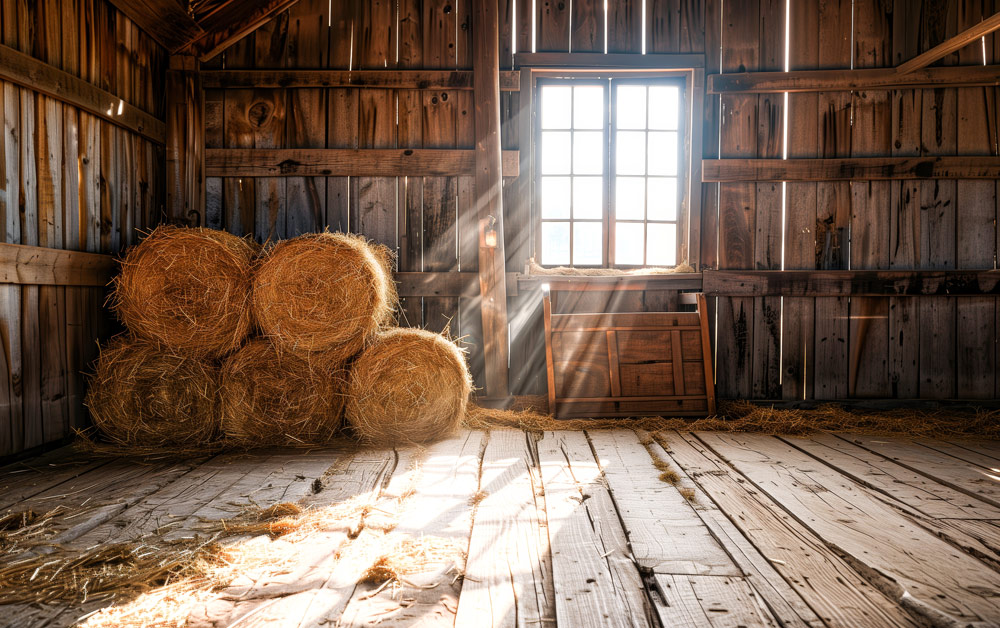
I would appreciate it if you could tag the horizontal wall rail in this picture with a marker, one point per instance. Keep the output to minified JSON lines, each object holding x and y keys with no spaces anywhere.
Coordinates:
{"x":343,"y":162}
{"x":36,"y":265}
{"x":849,"y":169}
{"x":29,"y":72}
{"x":850,"y":80}
{"x":390,"y":79}
{"x":856,"y":283}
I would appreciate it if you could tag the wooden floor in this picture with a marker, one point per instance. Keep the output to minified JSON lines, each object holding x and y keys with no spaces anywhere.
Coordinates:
{"x":577,"y":529}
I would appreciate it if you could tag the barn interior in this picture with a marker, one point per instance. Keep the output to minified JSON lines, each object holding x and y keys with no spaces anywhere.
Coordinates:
{"x":723,"y":273}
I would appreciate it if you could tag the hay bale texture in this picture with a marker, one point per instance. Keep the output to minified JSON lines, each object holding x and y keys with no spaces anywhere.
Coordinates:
{"x":142,"y":395}
{"x":410,"y":386}
{"x":187,"y":289}
{"x":329,"y":292}
{"x":272,"y":396}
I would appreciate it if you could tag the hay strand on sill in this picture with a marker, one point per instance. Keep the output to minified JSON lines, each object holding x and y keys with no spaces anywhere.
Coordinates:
{"x":326,"y":292}
{"x":568,"y":271}
{"x":143,"y":395}
{"x":187,"y":289}
{"x":410,"y":387}
{"x":275,"y":397}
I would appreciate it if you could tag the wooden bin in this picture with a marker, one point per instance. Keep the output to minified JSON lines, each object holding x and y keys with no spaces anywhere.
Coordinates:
{"x":628,"y":363}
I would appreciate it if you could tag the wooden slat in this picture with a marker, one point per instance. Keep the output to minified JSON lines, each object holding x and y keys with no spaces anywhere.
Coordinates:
{"x":966,"y":37}
{"x":340,"y":162}
{"x":783,"y":601}
{"x":716,"y":601}
{"x":508,"y":575}
{"x":645,"y":283}
{"x":901,"y":484}
{"x":972,"y":479}
{"x":597,"y":585}
{"x":227,"y":27}
{"x":937,"y":583}
{"x":825,"y":581}
{"x":29,"y":72}
{"x":851,"y":169}
{"x":614,"y":60}
{"x":823,"y":283}
{"x":35,"y":265}
{"x":798,"y":81}
{"x":664,"y":531}
{"x":510,"y":80}
{"x":167,"y":22}
{"x":21,"y":480}
{"x":489,"y":170}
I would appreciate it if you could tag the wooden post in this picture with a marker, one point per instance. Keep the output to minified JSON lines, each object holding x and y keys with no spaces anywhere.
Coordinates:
{"x":185,"y":143}
{"x":493,"y":288}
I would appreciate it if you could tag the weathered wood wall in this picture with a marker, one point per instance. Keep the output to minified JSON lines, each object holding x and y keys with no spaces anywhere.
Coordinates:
{"x":853,"y":347}
{"x":68,"y":180}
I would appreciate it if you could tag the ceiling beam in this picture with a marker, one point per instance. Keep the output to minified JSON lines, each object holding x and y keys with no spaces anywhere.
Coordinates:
{"x":950,"y":45}
{"x":166,"y":21}
{"x":232,"y":23}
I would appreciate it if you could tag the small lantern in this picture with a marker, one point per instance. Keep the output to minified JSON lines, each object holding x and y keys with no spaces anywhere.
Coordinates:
{"x":490,"y":233}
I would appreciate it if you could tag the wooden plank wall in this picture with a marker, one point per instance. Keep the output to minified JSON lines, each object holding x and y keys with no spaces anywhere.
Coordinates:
{"x":68,"y":180}
{"x":871,"y":347}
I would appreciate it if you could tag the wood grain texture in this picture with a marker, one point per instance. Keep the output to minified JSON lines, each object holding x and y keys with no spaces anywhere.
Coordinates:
{"x":509,"y":569}
{"x":937,"y":583}
{"x":596,"y":582}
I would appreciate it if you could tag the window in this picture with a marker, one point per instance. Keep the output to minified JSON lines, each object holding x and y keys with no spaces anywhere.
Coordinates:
{"x":609,"y":171}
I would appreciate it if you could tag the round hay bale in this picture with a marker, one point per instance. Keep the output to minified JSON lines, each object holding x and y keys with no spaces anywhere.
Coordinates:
{"x":410,"y":386}
{"x":144,"y":396}
{"x":326,"y":292}
{"x":188,"y":289}
{"x":274,"y":397}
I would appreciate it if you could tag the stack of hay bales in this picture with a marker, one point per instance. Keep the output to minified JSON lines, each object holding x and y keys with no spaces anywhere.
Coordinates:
{"x":271,"y":347}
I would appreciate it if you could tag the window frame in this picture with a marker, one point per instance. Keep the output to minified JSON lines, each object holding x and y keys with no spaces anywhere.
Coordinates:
{"x":686,"y":68}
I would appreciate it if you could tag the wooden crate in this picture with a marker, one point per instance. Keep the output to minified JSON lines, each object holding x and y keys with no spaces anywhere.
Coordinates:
{"x":628,"y":363}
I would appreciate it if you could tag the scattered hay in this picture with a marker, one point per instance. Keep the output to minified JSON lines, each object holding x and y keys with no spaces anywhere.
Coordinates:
{"x":478,"y":497}
{"x":688,"y":494}
{"x":411,"y":386}
{"x":324,"y":292}
{"x":87,"y":441}
{"x":746,"y":416}
{"x":274,"y":397}
{"x":414,"y":556}
{"x":142,"y":395}
{"x":187,"y":289}
{"x":568,"y":271}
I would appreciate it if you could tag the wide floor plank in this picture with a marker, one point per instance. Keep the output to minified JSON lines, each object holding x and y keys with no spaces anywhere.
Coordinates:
{"x":894,"y":480}
{"x":924,"y":573}
{"x":826,"y":582}
{"x":439,"y":504}
{"x":596,"y":583}
{"x":354,"y":482}
{"x":784,"y":602}
{"x":665,"y":533}
{"x":508,"y":576}
{"x":983,"y":447}
{"x":26,"y":478}
{"x":715,"y":601}
{"x":970,"y":478}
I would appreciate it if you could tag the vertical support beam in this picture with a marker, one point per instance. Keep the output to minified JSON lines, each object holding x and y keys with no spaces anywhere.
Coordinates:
{"x":185,"y":142}
{"x":492,"y":285}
